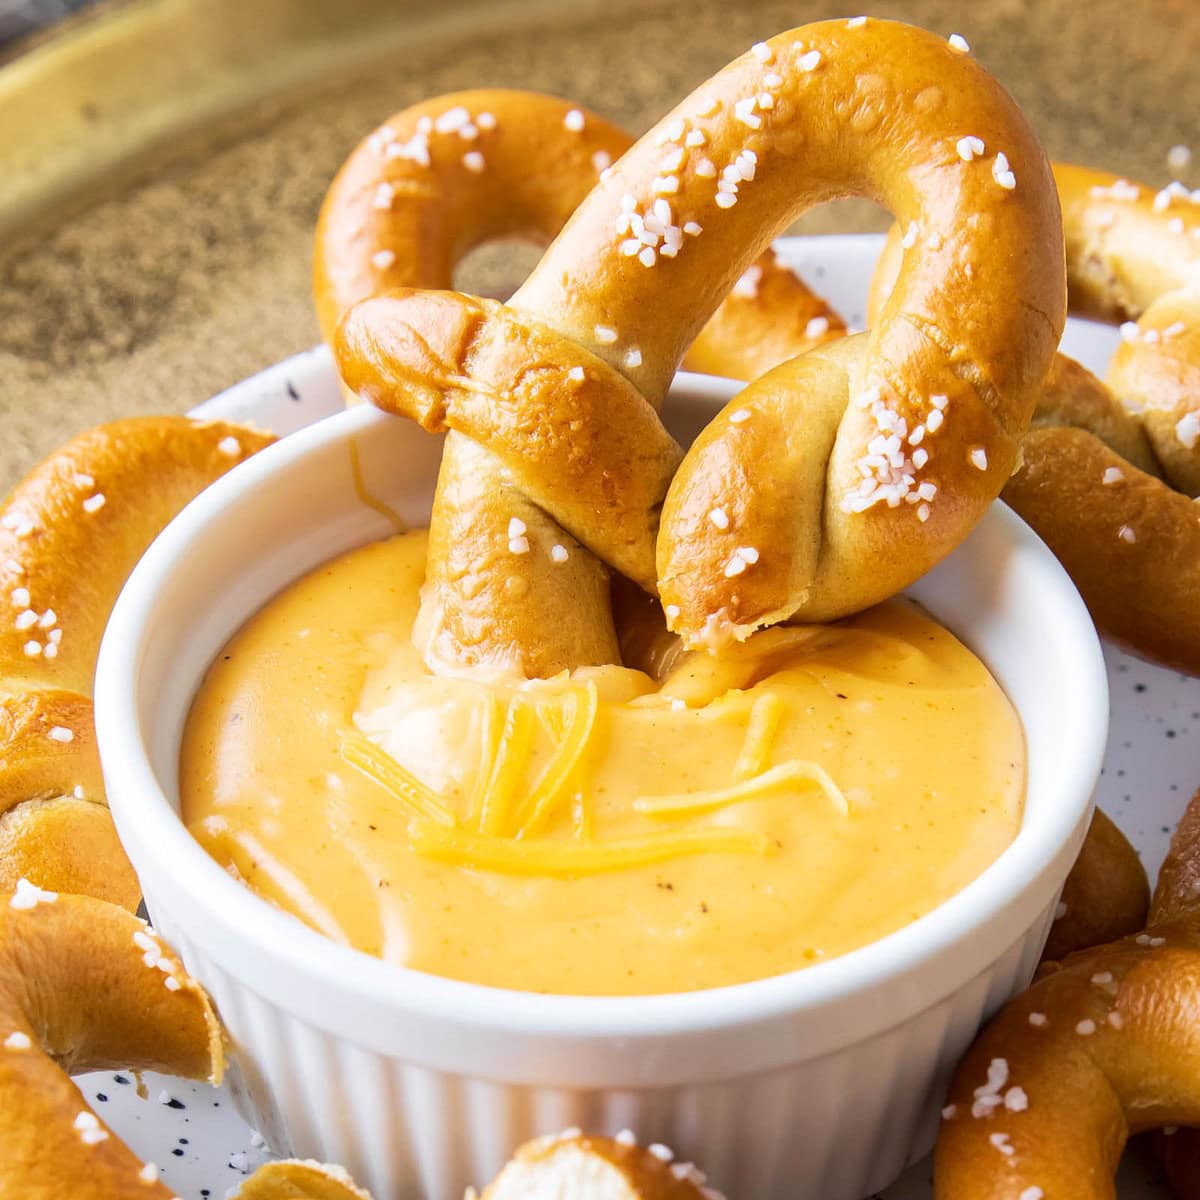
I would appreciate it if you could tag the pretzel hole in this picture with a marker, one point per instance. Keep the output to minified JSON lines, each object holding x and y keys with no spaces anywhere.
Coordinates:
{"x":496,"y":269}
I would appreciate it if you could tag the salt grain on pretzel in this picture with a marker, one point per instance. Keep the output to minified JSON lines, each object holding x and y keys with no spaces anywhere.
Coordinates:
{"x":542,"y":158}
{"x":1109,"y":473}
{"x":63,"y":559}
{"x":1102,"y":1047}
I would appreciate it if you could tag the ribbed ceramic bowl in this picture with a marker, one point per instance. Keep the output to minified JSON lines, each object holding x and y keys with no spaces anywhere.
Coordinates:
{"x":823,"y":1082}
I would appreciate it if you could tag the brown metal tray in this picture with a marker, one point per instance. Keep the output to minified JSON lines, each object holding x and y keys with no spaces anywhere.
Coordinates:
{"x":161,"y":163}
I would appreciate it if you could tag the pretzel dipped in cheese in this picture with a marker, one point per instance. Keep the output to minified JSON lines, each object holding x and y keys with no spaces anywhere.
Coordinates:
{"x":1109,"y":473}
{"x":431,"y":184}
{"x":597,"y":1168}
{"x":70,"y":533}
{"x":1103,"y":1046}
{"x":813,"y":489}
{"x":453,"y":173}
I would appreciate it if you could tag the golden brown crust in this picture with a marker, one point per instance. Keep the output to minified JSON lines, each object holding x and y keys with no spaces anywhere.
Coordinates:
{"x":978,"y":239}
{"x":1103,"y":1046}
{"x":70,"y":533}
{"x":1131,"y":544}
{"x":573,"y":434}
{"x":290,"y":1179}
{"x":1156,"y":373}
{"x":574,"y":1164}
{"x":1131,"y":252}
{"x":431,"y":184}
{"x":1127,"y":244}
{"x":86,"y":986}
{"x":1073,"y":398}
{"x":1106,"y":896}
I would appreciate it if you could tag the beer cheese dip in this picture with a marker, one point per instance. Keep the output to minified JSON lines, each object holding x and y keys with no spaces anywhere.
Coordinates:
{"x":679,"y":823}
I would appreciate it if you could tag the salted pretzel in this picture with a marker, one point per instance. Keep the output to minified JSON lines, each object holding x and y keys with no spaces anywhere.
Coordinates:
{"x":87,"y":986}
{"x":69,"y":536}
{"x":1103,"y":1046}
{"x":846,"y":506}
{"x":1109,"y":473}
{"x":427,"y":187}
{"x":597,"y":1168}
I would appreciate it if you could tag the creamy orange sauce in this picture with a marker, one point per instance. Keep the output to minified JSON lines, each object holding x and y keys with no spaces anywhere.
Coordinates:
{"x":614,"y":832}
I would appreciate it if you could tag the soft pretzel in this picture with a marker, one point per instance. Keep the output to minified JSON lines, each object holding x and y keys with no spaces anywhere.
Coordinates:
{"x":1108,"y":472}
{"x":597,"y":1168}
{"x":70,"y":533}
{"x":1105,"y":897}
{"x":839,"y":107}
{"x":431,"y":184}
{"x":87,"y":986}
{"x":1103,"y":1046}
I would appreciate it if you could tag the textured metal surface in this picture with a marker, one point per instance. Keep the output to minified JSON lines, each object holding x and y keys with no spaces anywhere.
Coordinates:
{"x":161,"y":166}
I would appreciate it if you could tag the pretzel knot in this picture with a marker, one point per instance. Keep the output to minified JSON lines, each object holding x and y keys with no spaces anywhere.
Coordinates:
{"x":426,"y":187}
{"x":571,"y":432}
{"x":839,"y":478}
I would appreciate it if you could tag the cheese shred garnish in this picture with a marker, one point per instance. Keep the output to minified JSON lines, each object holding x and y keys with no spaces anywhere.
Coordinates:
{"x":765,"y":719}
{"x":579,"y":708}
{"x":562,"y":858}
{"x":374,"y":762}
{"x":787,"y":774}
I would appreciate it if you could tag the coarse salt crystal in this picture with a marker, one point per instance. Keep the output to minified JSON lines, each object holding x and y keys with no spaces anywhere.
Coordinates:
{"x":60,"y":733}
{"x":1112,"y":475}
{"x":474,"y":162}
{"x":1187,"y":430}
{"x":230,"y":447}
{"x":558,"y":553}
{"x":969,"y":148}
{"x":574,"y":120}
{"x":957,"y":42}
{"x":382,"y":259}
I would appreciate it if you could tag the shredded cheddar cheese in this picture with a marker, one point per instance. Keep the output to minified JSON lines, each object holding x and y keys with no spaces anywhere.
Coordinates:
{"x":362,"y":754}
{"x":508,"y":768}
{"x":563,"y":858}
{"x":765,"y":718}
{"x":785,"y":775}
{"x":582,"y":704}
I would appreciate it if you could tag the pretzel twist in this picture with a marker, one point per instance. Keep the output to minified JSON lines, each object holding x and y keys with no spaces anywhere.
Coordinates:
{"x":69,"y":536}
{"x":84,"y":984}
{"x":1103,"y":1046}
{"x":431,"y":184}
{"x":806,"y":117}
{"x":1108,"y":472}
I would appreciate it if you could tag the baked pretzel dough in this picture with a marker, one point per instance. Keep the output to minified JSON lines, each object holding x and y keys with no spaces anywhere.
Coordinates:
{"x":86,"y":986}
{"x":70,"y":534}
{"x":1103,"y":1046}
{"x":1106,"y":896}
{"x":431,"y":184}
{"x":835,"y":108}
{"x":597,"y":1168}
{"x":1108,"y":472}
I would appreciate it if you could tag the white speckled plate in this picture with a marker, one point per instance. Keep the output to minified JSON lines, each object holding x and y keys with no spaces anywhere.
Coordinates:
{"x":1152,"y":766}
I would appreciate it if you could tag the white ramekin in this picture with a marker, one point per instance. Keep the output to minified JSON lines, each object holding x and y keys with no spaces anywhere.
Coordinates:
{"x":824,"y":1082}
